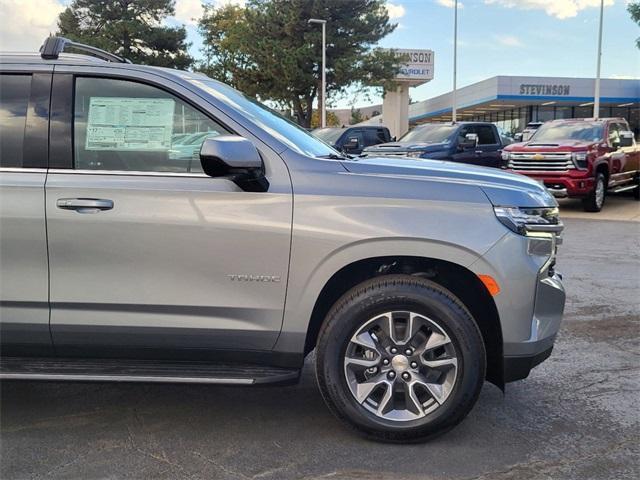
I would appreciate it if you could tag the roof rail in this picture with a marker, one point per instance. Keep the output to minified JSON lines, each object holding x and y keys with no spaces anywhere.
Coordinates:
{"x":54,"y":46}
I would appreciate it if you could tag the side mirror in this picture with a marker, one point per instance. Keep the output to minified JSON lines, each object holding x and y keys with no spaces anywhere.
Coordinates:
{"x":235,"y":158}
{"x":517,"y":137}
{"x":626,"y":139}
{"x":352,"y":143}
{"x":470,"y":141}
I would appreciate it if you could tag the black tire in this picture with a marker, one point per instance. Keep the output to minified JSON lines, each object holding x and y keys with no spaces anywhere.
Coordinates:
{"x":636,"y":191}
{"x":405,"y":293}
{"x":591,"y":203}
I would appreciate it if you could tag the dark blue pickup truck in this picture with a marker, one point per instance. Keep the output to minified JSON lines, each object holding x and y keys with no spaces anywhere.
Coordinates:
{"x":477,"y":143}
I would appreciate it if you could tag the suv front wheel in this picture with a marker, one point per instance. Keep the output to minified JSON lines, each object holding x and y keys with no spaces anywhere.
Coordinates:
{"x":400,"y":358}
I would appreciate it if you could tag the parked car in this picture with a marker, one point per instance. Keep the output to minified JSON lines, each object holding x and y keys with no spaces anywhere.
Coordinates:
{"x":475,"y":143}
{"x":353,"y":140}
{"x":528,"y":132}
{"x":412,"y":281}
{"x":580,"y":158}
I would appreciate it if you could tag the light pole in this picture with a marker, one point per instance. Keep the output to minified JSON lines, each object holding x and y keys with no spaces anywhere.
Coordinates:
{"x":455,"y":61}
{"x":596,"y":96}
{"x":324,"y":69}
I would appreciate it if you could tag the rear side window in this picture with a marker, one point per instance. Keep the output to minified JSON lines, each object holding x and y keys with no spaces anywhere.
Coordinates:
{"x":129,"y":126}
{"x":14,"y":102}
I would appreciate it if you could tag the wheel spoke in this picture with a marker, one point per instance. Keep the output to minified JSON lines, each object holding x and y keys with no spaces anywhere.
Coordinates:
{"x":436,"y":340}
{"x":365,"y":339}
{"x":411,"y":399}
{"x":436,"y":390}
{"x":440,"y":362}
{"x":383,"y":406}
{"x":362,"y":362}
{"x":364,"y":389}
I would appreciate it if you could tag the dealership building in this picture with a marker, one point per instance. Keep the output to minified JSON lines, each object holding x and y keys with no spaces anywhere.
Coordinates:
{"x":512,"y":102}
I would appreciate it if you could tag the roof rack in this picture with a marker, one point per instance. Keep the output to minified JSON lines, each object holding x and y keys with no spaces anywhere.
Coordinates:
{"x":54,"y":46}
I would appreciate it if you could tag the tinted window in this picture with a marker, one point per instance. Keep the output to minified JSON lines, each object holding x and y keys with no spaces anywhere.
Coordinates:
{"x":123,"y":125}
{"x":371,"y":137}
{"x":429,"y":134}
{"x":554,"y":132}
{"x":486,"y":135}
{"x":14,"y":101}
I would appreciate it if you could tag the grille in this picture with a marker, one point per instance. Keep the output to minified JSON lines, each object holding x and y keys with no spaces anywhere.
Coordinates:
{"x":554,"y":162}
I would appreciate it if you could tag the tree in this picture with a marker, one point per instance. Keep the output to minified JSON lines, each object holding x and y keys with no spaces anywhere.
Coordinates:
{"x":356,"y":116}
{"x":130,"y":28}
{"x":268,"y":50}
{"x":634,"y":9}
{"x":332,"y":119}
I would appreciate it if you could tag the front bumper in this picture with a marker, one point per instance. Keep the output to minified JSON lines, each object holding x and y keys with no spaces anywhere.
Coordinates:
{"x":531,"y":303}
{"x":573,"y":183}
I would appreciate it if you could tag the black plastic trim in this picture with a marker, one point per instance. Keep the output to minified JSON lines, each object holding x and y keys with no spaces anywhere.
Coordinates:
{"x":61,"y":122}
{"x":517,"y":368}
{"x":36,"y":132}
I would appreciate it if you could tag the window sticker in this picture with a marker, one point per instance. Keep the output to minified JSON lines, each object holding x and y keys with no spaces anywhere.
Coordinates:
{"x":130,"y":124}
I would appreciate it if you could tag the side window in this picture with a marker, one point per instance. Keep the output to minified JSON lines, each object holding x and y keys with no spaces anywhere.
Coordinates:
{"x":130,"y":126}
{"x":14,"y":102}
{"x":371,"y":137}
{"x":486,"y":135}
{"x":614,"y":133}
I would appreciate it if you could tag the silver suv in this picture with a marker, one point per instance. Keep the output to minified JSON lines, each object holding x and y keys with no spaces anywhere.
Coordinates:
{"x":157,"y":225}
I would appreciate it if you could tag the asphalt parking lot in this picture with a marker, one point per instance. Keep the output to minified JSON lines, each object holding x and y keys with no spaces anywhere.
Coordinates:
{"x":575,"y":417}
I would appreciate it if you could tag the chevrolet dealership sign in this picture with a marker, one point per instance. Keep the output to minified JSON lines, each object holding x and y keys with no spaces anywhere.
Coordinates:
{"x":416,"y":66}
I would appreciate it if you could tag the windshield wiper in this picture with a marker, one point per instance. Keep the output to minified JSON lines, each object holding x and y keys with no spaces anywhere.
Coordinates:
{"x":333,"y":156}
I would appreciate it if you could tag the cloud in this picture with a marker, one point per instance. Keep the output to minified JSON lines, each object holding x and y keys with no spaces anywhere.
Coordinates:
{"x":25,"y":24}
{"x":449,"y":3}
{"x":189,"y":11}
{"x":556,"y":8}
{"x":395,"y":11}
{"x":508,"y":40}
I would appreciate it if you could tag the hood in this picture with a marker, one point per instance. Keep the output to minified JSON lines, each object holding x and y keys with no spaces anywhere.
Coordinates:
{"x":558,"y":145}
{"x":397,"y":147}
{"x":502,"y":188}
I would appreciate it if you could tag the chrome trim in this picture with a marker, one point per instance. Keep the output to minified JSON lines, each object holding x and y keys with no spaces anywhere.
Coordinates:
{"x":545,"y":228}
{"x":134,"y":173}
{"x":541,"y":161}
{"x":125,"y":378}
{"x":22,"y":170}
{"x":558,"y":192}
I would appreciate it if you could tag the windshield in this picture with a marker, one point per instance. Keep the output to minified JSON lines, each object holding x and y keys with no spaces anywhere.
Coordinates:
{"x":329,"y":135}
{"x":554,"y":132}
{"x":429,"y":134}
{"x":269,"y":120}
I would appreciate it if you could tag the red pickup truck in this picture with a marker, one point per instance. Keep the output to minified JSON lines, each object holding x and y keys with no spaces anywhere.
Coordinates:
{"x":584,"y":158}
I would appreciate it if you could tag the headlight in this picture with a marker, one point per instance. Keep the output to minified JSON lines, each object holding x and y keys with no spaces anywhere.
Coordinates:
{"x":580,"y":159}
{"x":530,"y":221}
{"x":414,"y":154}
{"x":506,"y":155}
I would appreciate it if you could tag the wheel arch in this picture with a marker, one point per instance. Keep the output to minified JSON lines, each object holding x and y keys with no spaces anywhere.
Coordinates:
{"x":458,"y":279}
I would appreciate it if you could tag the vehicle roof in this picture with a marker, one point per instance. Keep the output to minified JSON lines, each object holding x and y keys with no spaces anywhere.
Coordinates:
{"x":592,"y":119}
{"x":71,"y":59}
{"x":465,"y":122}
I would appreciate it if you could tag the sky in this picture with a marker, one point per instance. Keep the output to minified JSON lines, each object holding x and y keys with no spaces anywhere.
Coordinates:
{"x":495,"y":37}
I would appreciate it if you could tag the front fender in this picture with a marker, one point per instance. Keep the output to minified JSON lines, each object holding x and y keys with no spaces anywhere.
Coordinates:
{"x":301,"y":299}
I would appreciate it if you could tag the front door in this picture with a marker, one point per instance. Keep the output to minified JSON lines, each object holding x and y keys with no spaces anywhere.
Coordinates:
{"x":147,"y":254}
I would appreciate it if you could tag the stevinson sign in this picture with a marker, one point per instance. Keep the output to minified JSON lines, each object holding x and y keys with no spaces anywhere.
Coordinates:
{"x":417,"y":66}
{"x":544,"y":89}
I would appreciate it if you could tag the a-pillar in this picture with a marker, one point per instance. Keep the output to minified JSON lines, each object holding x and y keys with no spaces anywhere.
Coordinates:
{"x":395,"y":110}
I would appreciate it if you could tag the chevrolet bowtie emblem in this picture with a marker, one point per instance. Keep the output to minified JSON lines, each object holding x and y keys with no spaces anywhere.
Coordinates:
{"x":537,"y":156}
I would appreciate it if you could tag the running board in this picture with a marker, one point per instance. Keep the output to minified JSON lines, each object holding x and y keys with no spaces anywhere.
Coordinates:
{"x":623,"y":189}
{"x":157,"y":371}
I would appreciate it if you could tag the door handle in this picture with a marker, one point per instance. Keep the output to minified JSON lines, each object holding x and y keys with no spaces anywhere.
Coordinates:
{"x":84,"y":205}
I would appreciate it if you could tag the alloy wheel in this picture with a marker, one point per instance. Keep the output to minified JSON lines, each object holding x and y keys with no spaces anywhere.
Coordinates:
{"x":400,"y":365}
